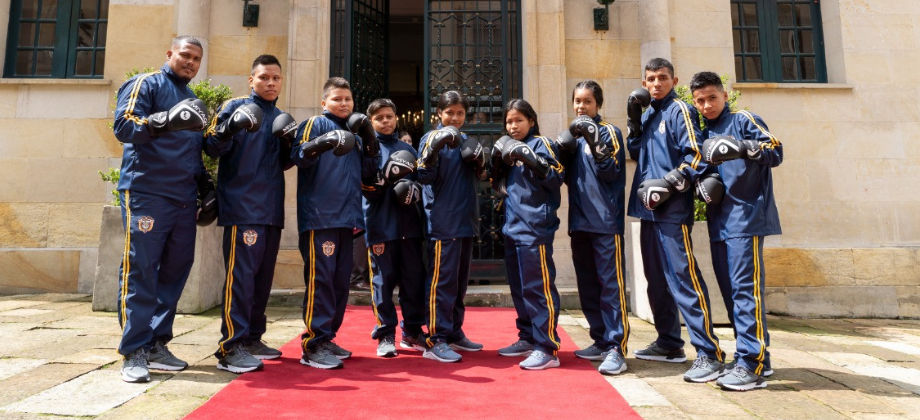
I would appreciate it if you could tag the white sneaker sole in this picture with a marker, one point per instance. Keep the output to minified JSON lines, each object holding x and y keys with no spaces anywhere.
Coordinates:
{"x":264,"y":357}
{"x":709,"y":378}
{"x":160,"y":366}
{"x":520,"y":353}
{"x":599,"y":357}
{"x":661,"y":358}
{"x":386,"y":354}
{"x":613,"y":372}
{"x":237,"y":369}
{"x":432,"y":356}
{"x":744,"y":387}
{"x":455,"y":347}
{"x":130,"y":379}
{"x":551,"y":364}
{"x":319,"y":365}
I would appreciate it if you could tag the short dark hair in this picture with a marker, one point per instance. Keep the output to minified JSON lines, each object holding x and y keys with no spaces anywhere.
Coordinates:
{"x":525,"y":108}
{"x":188,"y":39}
{"x":594,"y":88}
{"x":403,"y":133}
{"x":656,"y":64}
{"x":265,"y":60}
{"x":452,"y":97}
{"x":380,"y":103}
{"x":705,"y":79}
{"x":335,"y":83}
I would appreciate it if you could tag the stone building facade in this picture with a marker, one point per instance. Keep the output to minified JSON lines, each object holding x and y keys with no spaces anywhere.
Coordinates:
{"x":851,"y":241}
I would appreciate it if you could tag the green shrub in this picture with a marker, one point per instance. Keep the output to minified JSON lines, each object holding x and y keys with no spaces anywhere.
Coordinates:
{"x":112,"y":176}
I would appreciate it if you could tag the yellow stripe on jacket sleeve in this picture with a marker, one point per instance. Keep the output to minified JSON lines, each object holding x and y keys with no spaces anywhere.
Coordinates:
{"x":614,"y":140}
{"x":691,"y":133}
{"x":212,"y":128}
{"x":558,"y":166}
{"x":132,"y":99}
{"x":306,"y":131}
{"x":773,"y":140}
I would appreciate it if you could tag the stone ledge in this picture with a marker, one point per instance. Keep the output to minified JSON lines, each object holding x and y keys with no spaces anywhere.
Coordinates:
{"x":838,"y":86}
{"x":487,"y":296}
{"x":67,"y":82}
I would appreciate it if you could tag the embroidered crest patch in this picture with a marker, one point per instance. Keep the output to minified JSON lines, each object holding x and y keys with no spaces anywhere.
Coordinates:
{"x":250,"y":237}
{"x":145,"y":224}
{"x":328,"y":248}
{"x":661,"y":127}
{"x":378,"y":249}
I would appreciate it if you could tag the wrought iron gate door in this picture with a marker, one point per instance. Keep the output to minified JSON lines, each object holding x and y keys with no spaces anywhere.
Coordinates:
{"x":360,"y":48}
{"x":475,"y":47}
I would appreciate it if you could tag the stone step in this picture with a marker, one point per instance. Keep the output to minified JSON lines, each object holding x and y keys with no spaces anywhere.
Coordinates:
{"x":485,"y":296}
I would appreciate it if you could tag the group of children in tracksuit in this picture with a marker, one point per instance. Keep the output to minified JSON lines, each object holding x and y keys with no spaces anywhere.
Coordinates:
{"x":354,"y":173}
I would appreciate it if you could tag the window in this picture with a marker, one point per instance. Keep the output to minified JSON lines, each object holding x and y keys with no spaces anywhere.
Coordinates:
{"x":56,"y":38}
{"x":778,"y":41}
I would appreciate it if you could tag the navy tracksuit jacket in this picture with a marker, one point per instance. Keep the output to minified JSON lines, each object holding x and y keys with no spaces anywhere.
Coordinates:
{"x":394,"y":247}
{"x":328,"y":210}
{"x":452,"y":212}
{"x":530,"y":224}
{"x":158,"y":191}
{"x":737,"y":227}
{"x":597,"y":202}
{"x":250,"y":188}
{"x":670,"y":139}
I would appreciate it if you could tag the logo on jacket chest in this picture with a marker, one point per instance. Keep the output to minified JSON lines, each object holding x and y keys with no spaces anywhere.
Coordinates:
{"x":328,"y":248}
{"x":661,"y":127}
{"x":250,"y":237}
{"x":145,"y":224}
{"x":378,"y":249}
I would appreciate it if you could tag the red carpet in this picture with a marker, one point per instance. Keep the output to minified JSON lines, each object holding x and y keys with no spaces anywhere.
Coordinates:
{"x":482,"y":386}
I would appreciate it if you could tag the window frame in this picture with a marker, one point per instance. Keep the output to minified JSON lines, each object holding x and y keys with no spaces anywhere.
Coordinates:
{"x":771,"y":56}
{"x":64,"y":48}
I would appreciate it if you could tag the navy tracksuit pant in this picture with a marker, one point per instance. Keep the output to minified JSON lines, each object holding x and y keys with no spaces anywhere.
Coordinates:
{"x":738,"y":264}
{"x":250,"y":253}
{"x":328,"y":260}
{"x":397,"y":263}
{"x":599,"y":272}
{"x":158,"y":256}
{"x":675,"y":282}
{"x":448,"y":277}
{"x":532,"y":280}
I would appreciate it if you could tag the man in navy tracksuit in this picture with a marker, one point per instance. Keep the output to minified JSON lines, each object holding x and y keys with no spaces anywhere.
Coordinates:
{"x":393,"y":227}
{"x":328,"y":211}
{"x":159,"y":120}
{"x":597,"y":200}
{"x":251,"y":209}
{"x":669,"y":161}
{"x":745,"y":152}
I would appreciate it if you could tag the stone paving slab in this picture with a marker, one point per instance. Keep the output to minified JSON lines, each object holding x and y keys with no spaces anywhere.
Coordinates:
{"x":39,"y":379}
{"x":13,"y":367}
{"x":88,"y":395}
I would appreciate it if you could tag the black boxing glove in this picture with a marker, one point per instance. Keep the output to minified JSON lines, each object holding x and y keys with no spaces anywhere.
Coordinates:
{"x":407,"y":192}
{"x":568,"y":145}
{"x":339,"y":141}
{"x":246,"y":117}
{"x":445,"y":137}
{"x":653,"y":192}
{"x":587,"y":128}
{"x":207,"y":201}
{"x":637,"y":100}
{"x":719,"y":149}
{"x":359,"y":124}
{"x":398,"y":165}
{"x":521,"y":152}
{"x":284,"y":127}
{"x":471,"y":151}
{"x":677,"y":180}
{"x":710,"y":189}
{"x":188,"y":114}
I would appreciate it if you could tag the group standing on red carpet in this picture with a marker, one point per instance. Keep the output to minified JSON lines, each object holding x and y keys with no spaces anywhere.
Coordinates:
{"x":355,"y":175}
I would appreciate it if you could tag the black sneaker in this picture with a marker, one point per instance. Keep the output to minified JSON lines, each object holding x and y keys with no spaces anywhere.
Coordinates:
{"x":517,"y":348}
{"x":658,"y":354}
{"x":321,"y":357}
{"x":465,"y":344}
{"x":159,"y":357}
{"x":338,"y":351}
{"x":415,"y":342}
{"x":239,"y":360}
{"x":592,"y":352}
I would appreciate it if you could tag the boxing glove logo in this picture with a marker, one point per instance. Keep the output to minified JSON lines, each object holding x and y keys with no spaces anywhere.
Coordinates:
{"x":185,"y":115}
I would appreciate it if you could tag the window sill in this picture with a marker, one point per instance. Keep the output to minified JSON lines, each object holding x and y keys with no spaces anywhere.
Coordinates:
{"x":821,"y":86}
{"x":65,"y":82}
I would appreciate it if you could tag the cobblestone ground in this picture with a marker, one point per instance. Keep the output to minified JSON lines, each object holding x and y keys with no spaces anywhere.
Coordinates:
{"x":58,"y":361}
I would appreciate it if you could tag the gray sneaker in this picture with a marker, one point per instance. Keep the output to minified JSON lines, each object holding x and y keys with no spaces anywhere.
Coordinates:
{"x":239,"y":360}
{"x":135,"y":368}
{"x":614,"y":364}
{"x":261,"y":351}
{"x":659,"y":354}
{"x":741,"y":379}
{"x":591,"y":352}
{"x":465,"y":344}
{"x":338,"y":351}
{"x":539,"y":359}
{"x":704,"y":369}
{"x":386,"y":346}
{"x":518,"y":348}
{"x":415,"y":342}
{"x":767,"y":369}
{"x":321,"y":357}
{"x":159,"y":357}
{"x":442,"y":353}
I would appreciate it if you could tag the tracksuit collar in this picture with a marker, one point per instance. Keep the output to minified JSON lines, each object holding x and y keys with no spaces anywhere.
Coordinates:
{"x":667,"y":99}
